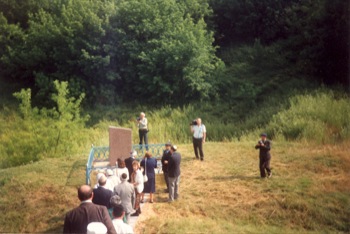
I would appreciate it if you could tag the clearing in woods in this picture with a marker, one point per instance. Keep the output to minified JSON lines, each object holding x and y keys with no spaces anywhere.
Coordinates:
{"x":308,"y":192}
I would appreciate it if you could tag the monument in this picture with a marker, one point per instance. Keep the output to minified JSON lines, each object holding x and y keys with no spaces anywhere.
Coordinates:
{"x":120,"y":143}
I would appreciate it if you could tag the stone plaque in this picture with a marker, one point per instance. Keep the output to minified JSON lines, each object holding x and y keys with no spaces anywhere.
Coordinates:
{"x":120,"y":144}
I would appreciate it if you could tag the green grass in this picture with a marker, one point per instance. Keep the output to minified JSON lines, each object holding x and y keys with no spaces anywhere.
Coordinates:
{"x":309,"y":192}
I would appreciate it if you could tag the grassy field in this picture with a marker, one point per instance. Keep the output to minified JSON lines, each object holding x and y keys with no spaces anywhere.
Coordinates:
{"x":309,"y":192}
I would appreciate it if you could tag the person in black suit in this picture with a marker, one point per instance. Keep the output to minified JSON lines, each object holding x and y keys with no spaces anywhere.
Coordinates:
{"x":77,"y":220}
{"x":174,"y":174}
{"x":128,"y":163}
{"x":264,"y":146}
{"x":165,"y":159}
{"x":102,"y":195}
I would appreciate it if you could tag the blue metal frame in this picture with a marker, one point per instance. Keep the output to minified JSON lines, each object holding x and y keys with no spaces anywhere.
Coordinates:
{"x":101,"y":154}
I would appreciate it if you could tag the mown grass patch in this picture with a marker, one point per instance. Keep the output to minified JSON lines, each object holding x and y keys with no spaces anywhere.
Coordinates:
{"x":223,"y":194}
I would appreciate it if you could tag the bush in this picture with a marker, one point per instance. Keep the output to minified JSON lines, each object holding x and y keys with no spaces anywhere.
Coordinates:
{"x":37,"y":134}
{"x":321,"y":117}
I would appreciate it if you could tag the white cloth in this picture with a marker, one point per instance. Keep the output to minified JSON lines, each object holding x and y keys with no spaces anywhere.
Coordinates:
{"x":108,"y":185}
{"x":121,"y":227}
{"x":112,"y":181}
{"x":198,"y":131}
{"x":139,"y":181}
{"x":96,"y":228}
{"x":119,"y":172}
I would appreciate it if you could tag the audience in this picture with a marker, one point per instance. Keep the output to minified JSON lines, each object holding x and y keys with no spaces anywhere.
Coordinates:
{"x":98,"y":176}
{"x":149,"y":163}
{"x":102,"y":194}
{"x":112,"y":180}
{"x":115,"y":200}
{"x":119,"y":225}
{"x":165,"y":159}
{"x":129,"y":161}
{"x":77,"y":220}
{"x":126,"y":191}
{"x":174,"y":174}
{"x":137,"y":181}
{"x":121,"y":169}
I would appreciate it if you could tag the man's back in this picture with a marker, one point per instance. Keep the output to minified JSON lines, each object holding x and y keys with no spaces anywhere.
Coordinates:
{"x":77,"y":220}
{"x":174,"y":165}
{"x":102,"y":196}
{"x":128,"y":164}
{"x":166,"y":156}
{"x":125,"y":191}
{"x":121,"y":227}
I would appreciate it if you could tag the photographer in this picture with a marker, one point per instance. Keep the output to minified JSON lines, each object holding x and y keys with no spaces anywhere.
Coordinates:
{"x":143,"y":129}
{"x":199,"y":134}
{"x":264,"y":146}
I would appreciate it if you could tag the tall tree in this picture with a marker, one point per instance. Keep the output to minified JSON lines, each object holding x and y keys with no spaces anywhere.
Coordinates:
{"x":163,"y":53}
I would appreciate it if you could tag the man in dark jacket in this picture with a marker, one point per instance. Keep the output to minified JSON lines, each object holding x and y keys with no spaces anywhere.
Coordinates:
{"x":102,"y":195}
{"x":128,"y":163}
{"x":264,"y":146}
{"x":165,"y":160}
{"x":174,"y":174}
{"x":77,"y":220}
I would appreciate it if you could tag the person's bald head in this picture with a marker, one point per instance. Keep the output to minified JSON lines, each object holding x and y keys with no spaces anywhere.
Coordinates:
{"x":84,"y":193}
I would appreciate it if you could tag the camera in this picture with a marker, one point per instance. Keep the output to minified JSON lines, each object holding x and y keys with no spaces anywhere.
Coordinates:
{"x":261,"y":142}
{"x":194,"y":122}
{"x":138,"y":118}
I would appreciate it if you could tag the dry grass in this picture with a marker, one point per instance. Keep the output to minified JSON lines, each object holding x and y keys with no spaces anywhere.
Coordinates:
{"x":309,"y":192}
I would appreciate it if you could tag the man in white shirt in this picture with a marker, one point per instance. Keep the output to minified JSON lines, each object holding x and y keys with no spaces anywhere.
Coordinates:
{"x":119,"y":225}
{"x":199,"y":134}
{"x":143,"y":129}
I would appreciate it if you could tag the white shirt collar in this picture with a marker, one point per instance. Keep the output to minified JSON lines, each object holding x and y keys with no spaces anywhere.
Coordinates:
{"x":87,"y":201}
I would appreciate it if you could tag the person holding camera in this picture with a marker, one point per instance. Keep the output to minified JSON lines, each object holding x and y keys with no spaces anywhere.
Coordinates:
{"x":143,"y":129}
{"x":264,"y":146}
{"x":199,"y":134}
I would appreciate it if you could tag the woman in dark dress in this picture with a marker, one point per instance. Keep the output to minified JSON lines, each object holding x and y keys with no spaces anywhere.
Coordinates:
{"x":148,"y":164}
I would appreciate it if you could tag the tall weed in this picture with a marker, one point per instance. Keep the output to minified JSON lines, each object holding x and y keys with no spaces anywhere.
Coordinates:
{"x":36,"y":134}
{"x":320,"y":117}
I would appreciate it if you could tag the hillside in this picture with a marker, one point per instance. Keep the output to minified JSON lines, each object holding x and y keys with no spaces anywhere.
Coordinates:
{"x":309,"y":192}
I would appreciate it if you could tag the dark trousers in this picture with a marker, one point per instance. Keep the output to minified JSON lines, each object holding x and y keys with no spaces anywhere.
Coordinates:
{"x":166,"y":178}
{"x":264,"y":164}
{"x":143,"y":137}
{"x":198,"y":145}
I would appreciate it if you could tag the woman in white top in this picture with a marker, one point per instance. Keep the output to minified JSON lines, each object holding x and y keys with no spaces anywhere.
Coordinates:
{"x":137,"y":181}
{"x":121,"y":168}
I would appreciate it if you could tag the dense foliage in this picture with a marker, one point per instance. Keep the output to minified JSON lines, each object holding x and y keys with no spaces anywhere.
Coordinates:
{"x":112,"y":50}
{"x":313,"y":35}
{"x":163,"y":51}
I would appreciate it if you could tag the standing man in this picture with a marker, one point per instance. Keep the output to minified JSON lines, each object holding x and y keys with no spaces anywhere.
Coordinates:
{"x":199,"y":134}
{"x":129,"y":161}
{"x":125,"y":190}
{"x":264,"y":146}
{"x":77,"y":220}
{"x":102,"y":194}
{"x":165,"y":160}
{"x":119,"y":225}
{"x":174,"y":174}
{"x":143,"y":129}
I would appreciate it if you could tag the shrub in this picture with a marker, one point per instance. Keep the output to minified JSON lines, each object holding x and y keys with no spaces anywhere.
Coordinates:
{"x":321,"y":117}
{"x":36,"y":134}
